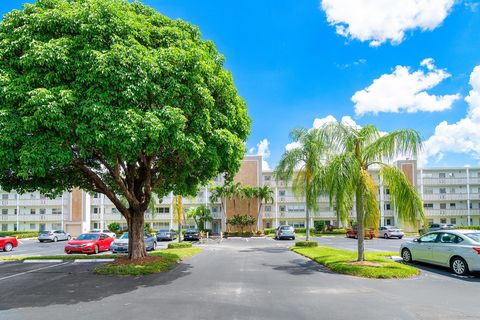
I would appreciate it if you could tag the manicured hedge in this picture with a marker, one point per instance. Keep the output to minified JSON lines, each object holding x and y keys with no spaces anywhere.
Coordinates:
{"x":468,"y":227}
{"x":306,"y":244}
{"x":177,"y":245}
{"x":20,"y":234}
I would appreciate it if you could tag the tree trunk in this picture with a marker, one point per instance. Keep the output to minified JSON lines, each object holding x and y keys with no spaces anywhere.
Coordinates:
{"x":307,"y":212}
{"x":360,"y":225}
{"x":258,"y":216}
{"x":136,"y":244}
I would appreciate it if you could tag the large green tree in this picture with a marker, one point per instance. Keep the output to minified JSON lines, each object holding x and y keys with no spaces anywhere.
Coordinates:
{"x":113,"y":97}
{"x":301,"y":165}
{"x":347,"y":178}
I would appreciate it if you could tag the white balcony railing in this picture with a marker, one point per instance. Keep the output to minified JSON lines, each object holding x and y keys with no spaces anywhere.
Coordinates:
{"x":445,"y":196}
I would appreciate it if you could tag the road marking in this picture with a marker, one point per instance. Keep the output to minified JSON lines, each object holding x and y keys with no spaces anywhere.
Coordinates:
{"x":30,"y":271}
{"x":93,"y":260}
{"x":42,"y":261}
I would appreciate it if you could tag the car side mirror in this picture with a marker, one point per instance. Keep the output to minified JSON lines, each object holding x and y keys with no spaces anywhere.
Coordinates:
{"x":417,"y":240}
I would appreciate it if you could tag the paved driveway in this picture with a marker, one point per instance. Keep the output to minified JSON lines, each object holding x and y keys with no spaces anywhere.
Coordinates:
{"x":235,"y":279}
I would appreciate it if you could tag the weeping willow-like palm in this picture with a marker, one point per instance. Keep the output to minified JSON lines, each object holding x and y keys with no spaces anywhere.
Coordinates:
{"x":301,"y":164}
{"x":248,"y":193}
{"x":264,"y":194}
{"x":347,"y":179}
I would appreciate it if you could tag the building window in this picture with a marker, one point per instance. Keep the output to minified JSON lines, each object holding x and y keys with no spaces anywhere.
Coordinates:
{"x":281,"y":193}
{"x":96,"y":195}
{"x":5,"y":196}
{"x":96,"y":210}
{"x":56,"y":211}
{"x":453,"y":220}
{"x":214,"y":209}
{"x":15,"y":211}
{"x":387,"y":191}
{"x":282,"y":208}
{"x":4,"y":211}
{"x":388,"y":222}
{"x":441,"y":175}
{"x":42,"y":196}
{"x":42,"y":211}
{"x":443,"y":206}
{"x":452,"y":205}
{"x":443,"y":220}
{"x":296,"y":208}
{"x":443,"y":190}
{"x":33,"y":211}
{"x":33,"y":226}
{"x":453,"y":190}
{"x":267,"y":178}
{"x":4,"y":227}
{"x":268,"y":208}
{"x":428,"y":191}
{"x":164,"y":210}
{"x":32,"y":195}
{"x":387,"y":206}
{"x":428,"y":205}
{"x":298,"y":224}
{"x":114,"y":210}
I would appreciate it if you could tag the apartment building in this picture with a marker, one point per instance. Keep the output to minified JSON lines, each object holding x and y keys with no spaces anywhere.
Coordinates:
{"x":450,"y":195}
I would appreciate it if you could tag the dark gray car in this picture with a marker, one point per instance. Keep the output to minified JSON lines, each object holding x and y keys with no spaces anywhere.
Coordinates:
{"x":120,"y":245}
{"x":168,"y":235}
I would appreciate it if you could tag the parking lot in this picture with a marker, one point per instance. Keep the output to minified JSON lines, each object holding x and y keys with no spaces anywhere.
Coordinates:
{"x":233,"y":279}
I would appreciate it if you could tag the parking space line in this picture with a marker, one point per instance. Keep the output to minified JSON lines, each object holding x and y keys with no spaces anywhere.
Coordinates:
{"x":34,"y":270}
{"x":43,"y":261}
{"x":93,"y":260}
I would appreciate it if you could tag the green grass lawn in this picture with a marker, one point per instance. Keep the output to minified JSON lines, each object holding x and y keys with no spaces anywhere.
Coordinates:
{"x":167,"y":259}
{"x":342,"y":261}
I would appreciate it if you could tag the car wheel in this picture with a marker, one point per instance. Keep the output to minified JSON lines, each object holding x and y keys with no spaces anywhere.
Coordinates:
{"x":154,"y":246}
{"x":406,"y":255}
{"x":55,"y":239}
{"x":385,"y":236}
{"x":40,"y":240}
{"x":293,"y":238}
{"x":68,"y":238}
{"x":459,"y":266}
{"x":400,"y":237}
{"x":8,"y":247}
{"x":96,"y":249}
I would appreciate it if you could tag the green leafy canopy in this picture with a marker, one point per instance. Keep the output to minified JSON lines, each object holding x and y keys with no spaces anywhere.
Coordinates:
{"x":113,"y":97}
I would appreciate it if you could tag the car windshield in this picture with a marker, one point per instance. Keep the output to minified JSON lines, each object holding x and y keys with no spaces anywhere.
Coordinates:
{"x":88,"y":236}
{"x":474,"y":236}
{"x":286,"y":228}
{"x":124,"y":236}
{"x":162,"y":231}
{"x":191,"y":230}
{"x":44,"y":232}
{"x":2,"y":236}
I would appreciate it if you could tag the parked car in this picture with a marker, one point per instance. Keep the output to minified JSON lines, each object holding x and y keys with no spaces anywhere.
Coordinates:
{"x":457,"y":249}
{"x":435,"y":227}
{"x":367,"y":234}
{"x":388,"y":232}
{"x":191,"y":235}
{"x":53,"y":235}
{"x":8,"y":243}
{"x":89,"y":243}
{"x":107,"y":232}
{"x":166,"y":235}
{"x":285,"y":232}
{"x":121,"y":244}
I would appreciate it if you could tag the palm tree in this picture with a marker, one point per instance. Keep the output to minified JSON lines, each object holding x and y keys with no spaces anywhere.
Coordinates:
{"x":200,"y":215}
{"x":220,"y":193}
{"x":263,"y":194}
{"x":234,"y":190}
{"x":178,"y":214}
{"x":303,"y":163}
{"x":347,"y":179}
{"x":248,"y":192}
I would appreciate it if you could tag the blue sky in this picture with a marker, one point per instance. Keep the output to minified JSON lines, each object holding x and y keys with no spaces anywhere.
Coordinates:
{"x":295,"y":61}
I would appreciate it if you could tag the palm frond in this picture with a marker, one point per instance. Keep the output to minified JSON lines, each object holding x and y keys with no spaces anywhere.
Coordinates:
{"x":406,"y":200}
{"x":370,"y":201}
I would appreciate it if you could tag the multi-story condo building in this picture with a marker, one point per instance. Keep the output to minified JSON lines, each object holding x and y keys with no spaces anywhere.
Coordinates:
{"x":450,"y":195}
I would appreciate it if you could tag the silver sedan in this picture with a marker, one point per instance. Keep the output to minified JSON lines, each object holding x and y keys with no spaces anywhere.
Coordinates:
{"x":457,"y":249}
{"x":53,"y":235}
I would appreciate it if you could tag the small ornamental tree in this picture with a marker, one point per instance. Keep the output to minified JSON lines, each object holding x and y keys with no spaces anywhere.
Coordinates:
{"x":113,"y":97}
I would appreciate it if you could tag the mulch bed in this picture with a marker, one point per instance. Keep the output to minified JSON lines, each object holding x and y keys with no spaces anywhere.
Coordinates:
{"x":365,"y":264}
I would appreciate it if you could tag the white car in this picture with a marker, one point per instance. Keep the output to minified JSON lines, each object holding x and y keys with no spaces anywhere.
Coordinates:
{"x":53,"y":235}
{"x":388,"y":232}
{"x":457,"y":249}
{"x":107,"y":232}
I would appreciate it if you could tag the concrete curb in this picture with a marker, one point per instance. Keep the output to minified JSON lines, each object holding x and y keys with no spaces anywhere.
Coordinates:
{"x":43,"y":261}
{"x":92,"y":260}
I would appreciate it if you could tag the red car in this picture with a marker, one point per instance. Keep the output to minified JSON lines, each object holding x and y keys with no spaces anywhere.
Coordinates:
{"x":8,"y":243}
{"x":367,"y":234}
{"x":89,"y":243}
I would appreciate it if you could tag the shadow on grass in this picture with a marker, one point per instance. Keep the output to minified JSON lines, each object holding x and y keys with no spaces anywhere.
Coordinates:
{"x":73,"y":283}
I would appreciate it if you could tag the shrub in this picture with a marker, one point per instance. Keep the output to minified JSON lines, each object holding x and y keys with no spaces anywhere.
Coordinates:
{"x":269,"y":231}
{"x":177,"y":245}
{"x":304,"y":230}
{"x":258,"y":232}
{"x":20,"y":234}
{"x":468,"y":227}
{"x":114,"y":227}
{"x":306,"y":244}
{"x":319,"y":226}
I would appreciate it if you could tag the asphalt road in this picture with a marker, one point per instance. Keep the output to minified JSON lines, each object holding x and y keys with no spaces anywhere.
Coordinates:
{"x":234,"y":279}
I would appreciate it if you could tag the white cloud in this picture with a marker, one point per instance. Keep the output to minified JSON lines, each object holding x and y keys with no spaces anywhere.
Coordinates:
{"x":293,"y":145}
{"x":378,"y":21}
{"x":462,"y":136}
{"x":403,"y":90}
{"x":263,"y":150}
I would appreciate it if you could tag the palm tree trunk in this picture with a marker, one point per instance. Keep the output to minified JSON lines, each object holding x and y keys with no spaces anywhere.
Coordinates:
{"x":360,"y":233}
{"x":307,"y":224}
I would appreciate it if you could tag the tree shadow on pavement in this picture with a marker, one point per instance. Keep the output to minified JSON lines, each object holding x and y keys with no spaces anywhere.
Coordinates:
{"x":299,"y":267}
{"x":74,"y":283}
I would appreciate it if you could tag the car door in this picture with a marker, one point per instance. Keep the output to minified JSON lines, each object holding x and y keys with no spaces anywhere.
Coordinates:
{"x":424,"y":247}
{"x":62,"y":235}
{"x":104,"y":244}
{"x":148,"y":240}
{"x":444,"y":249}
